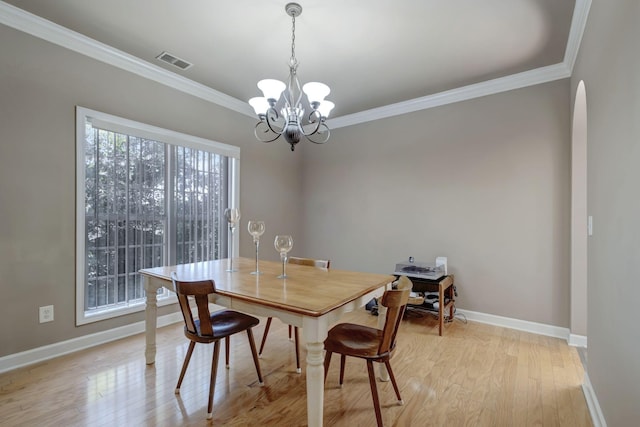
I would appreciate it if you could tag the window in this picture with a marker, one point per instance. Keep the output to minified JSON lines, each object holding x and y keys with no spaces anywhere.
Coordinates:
{"x":146,"y":197}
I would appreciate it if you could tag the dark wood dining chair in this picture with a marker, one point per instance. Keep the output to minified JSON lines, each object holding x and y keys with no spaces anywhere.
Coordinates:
{"x":371,"y":344}
{"x":210,"y":328}
{"x":319,"y":263}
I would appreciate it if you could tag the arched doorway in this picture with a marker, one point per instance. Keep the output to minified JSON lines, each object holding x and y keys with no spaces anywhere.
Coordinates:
{"x":580,"y":225}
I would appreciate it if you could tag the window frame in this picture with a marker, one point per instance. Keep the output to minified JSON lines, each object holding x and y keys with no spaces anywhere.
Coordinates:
{"x":131,"y":127}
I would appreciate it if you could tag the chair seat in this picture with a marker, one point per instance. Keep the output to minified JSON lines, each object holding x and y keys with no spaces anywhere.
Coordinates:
{"x":225,"y":323}
{"x":354,"y":340}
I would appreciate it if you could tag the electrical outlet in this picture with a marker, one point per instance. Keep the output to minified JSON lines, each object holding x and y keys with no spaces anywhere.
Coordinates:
{"x":46,"y":314}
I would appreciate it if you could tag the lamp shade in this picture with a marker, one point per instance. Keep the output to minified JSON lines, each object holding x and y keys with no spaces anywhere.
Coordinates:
{"x":316,"y":91}
{"x":271,"y":88}
{"x":259,"y":104}
{"x":325,"y":108}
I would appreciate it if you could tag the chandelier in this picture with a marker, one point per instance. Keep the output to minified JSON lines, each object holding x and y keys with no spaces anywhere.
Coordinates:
{"x":291,"y":122}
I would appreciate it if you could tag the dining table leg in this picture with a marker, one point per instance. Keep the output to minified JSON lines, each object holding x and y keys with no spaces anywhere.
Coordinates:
{"x":150,"y":321}
{"x":315,"y":331}
{"x":315,"y":384}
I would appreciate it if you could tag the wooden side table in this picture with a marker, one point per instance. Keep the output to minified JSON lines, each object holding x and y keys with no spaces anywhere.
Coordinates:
{"x":446,"y":295}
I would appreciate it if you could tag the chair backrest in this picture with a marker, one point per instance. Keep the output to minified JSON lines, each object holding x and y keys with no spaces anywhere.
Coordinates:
{"x":321,"y":263}
{"x":395,"y":300}
{"x":200,"y":291}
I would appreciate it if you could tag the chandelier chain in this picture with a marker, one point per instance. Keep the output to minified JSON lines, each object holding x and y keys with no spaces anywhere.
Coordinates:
{"x":293,"y":39}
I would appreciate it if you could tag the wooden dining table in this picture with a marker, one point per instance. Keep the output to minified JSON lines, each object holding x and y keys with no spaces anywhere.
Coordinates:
{"x":310,"y":298}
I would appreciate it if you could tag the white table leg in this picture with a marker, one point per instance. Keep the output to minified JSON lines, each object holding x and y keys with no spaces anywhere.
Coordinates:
{"x":315,"y":383}
{"x":315,"y":332}
{"x":382,"y":315}
{"x":150,"y":321}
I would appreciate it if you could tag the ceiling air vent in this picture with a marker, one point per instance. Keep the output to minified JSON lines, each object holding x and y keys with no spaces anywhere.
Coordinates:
{"x":174,"y":60}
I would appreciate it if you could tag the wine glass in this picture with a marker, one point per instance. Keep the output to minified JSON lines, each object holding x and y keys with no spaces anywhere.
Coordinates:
{"x":256,"y":229}
{"x":233,"y":216}
{"x":283,"y":244}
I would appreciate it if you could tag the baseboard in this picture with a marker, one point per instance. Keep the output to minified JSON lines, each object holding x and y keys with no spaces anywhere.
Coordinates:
{"x":577,"y":340}
{"x":39,"y":354}
{"x":521,"y":325}
{"x":592,"y":403}
{"x":29,"y":357}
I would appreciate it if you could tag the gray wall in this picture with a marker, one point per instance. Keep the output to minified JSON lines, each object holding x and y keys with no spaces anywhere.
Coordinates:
{"x":609,"y":64}
{"x":40,"y":85}
{"x":484,"y":182}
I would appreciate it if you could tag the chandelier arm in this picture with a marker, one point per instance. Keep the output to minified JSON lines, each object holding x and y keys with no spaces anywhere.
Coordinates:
{"x":267,"y":130}
{"x":270,"y":118}
{"x":325,"y":133}
{"x":315,"y":119}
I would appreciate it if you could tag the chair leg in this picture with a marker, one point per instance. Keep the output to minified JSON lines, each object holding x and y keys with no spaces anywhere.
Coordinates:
{"x":192,"y":344}
{"x":212,"y":383}
{"x":289,"y":332}
{"x":327,"y":361}
{"x":343,"y":360}
{"x":227,"y":350}
{"x":295,"y":336}
{"x":374,"y":392}
{"x":264,"y":336}
{"x":252,"y":344}
{"x":393,"y":381}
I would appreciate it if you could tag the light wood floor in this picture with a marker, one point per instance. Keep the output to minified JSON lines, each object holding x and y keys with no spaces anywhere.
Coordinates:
{"x":475,"y":375}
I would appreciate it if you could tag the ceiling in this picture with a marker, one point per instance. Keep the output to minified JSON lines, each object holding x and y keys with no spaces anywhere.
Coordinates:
{"x":372,"y":56}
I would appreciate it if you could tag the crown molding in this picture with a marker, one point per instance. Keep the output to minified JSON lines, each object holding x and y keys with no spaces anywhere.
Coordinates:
{"x":489,"y":87}
{"x":578,"y":24}
{"x":39,"y":27}
{"x":29,"y":23}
